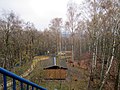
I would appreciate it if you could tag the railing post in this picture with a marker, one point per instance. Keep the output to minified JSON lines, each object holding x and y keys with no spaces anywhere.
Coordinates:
{"x":14,"y":84}
{"x":21,"y":85}
{"x":27,"y":86}
{"x":5,"y":81}
{"x":15,"y":77}
{"x":32,"y":88}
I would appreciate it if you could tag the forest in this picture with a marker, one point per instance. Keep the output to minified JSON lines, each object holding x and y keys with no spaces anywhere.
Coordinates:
{"x":92,"y":28}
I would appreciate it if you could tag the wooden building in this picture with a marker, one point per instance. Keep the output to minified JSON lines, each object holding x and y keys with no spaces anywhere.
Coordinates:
{"x":55,"y":71}
{"x":68,"y":53}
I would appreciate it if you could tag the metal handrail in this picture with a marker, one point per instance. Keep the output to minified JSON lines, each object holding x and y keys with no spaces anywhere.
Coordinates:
{"x":20,"y":79}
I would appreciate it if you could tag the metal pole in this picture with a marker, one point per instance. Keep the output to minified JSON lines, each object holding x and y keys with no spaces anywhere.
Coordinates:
{"x":15,"y":77}
{"x":27,"y":86}
{"x":14,"y":84}
{"x":32,"y":88}
{"x":21,"y":84}
{"x":5,"y":82}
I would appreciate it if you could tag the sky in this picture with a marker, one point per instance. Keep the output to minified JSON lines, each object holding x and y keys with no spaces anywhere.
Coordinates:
{"x":39,"y":12}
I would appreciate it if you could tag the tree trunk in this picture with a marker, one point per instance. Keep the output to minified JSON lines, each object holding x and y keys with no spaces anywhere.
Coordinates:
{"x":106,"y":74}
{"x":117,"y":78}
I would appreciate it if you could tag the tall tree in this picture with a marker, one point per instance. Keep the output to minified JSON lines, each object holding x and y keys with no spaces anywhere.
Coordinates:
{"x":56,"y":27}
{"x":72,"y":22}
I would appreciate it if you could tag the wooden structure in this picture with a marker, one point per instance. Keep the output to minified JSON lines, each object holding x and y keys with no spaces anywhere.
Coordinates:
{"x":55,"y":73}
{"x":68,"y":53}
{"x":55,"y":70}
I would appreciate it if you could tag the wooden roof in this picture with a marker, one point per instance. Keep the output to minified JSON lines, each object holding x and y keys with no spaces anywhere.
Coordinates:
{"x":55,"y":67}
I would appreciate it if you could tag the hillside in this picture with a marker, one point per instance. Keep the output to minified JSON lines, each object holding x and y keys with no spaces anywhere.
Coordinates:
{"x":76,"y":78}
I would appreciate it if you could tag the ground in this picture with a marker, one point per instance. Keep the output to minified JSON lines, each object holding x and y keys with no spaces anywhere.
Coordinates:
{"x":76,"y":78}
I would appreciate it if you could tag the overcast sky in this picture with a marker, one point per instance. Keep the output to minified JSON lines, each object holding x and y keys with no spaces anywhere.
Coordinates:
{"x":40,"y":12}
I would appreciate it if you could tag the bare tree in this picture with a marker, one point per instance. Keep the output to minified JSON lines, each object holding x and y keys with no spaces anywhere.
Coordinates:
{"x":71,"y":24}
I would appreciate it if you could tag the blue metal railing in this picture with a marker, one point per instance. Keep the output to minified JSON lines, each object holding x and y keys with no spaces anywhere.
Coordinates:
{"x":21,"y":80}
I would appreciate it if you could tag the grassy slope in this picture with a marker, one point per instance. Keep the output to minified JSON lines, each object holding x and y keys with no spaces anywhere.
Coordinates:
{"x":20,"y":70}
{"x":73,"y":72}
{"x":69,"y":84}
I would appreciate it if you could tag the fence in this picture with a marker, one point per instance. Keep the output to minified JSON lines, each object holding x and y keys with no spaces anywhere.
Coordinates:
{"x":22,"y":81}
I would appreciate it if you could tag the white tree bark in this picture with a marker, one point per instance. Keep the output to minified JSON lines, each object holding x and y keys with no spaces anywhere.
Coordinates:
{"x":111,"y":60}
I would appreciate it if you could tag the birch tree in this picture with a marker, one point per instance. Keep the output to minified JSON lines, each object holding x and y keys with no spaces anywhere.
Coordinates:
{"x":72,"y":22}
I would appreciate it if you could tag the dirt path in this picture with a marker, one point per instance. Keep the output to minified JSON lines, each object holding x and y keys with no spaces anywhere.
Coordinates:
{"x":27,"y":72}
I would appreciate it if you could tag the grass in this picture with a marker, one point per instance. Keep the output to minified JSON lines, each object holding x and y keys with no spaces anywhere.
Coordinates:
{"x":18,"y":70}
{"x":37,"y":76}
{"x":41,"y":57}
{"x":21,"y":69}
